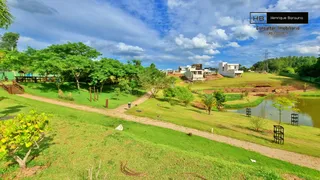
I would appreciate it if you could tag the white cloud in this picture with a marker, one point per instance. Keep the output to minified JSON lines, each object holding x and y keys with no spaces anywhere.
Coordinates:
{"x":25,"y":41}
{"x":198,"y":41}
{"x":125,"y":49}
{"x":244,"y":32}
{"x":175,"y":3}
{"x":233,"y":44}
{"x":228,"y":21}
{"x":316,"y":32}
{"x":218,"y":33}
{"x":211,"y":63}
{"x":199,"y":58}
{"x":211,"y":51}
{"x":310,"y":50}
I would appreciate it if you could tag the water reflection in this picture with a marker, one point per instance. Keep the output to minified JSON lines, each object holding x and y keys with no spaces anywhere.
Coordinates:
{"x":309,"y":115}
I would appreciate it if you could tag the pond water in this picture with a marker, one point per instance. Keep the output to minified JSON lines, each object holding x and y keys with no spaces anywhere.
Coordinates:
{"x":309,"y":114}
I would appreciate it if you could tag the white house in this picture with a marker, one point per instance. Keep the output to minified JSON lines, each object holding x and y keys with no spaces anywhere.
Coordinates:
{"x":194,"y":73}
{"x":229,"y":70}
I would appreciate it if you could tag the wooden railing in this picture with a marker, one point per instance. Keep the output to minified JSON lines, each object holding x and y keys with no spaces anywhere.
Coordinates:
{"x":15,"y":88}
{"x":18,"y":86}
{"x":6,"y":88}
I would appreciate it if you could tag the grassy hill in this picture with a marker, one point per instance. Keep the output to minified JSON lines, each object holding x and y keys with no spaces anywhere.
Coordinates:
{"x":80,"y":140}
{"x":300,"y":139}
{"x":249,"y":79}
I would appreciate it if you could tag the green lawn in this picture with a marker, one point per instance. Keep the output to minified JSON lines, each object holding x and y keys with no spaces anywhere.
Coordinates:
{"x":49,"y":90}
{"x":249,"y":79}
{"x":301,"y":139}
{"x":79,"y":140}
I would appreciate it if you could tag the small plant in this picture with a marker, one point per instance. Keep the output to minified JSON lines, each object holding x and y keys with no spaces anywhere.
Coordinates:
{"x":60,"y":94}
{"x":69,"y":97}
{"x":305,"y":87}
{"x":209,"y":101}
{"x":257,"y":123}
{"x":117,"y":93}
{"x":21,"y":135}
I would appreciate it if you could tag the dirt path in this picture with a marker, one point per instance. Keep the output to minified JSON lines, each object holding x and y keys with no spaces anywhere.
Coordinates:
{"x":294,"y":158}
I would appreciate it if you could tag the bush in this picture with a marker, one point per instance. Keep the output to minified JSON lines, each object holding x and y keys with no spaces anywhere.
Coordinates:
{"x":117,"y":93}
{"x":257,"y":123}
{"x":62,"y":96}
{"x":288,"y":70}
{"x":21,"y":135}
{"x":169,"y":93}
{"x":184,"y":95}
{"x":220,"y":99}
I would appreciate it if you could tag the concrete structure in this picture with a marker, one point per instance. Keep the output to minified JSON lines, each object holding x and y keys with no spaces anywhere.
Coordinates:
{"x":229,"y":70}
{"x":195,"y":73}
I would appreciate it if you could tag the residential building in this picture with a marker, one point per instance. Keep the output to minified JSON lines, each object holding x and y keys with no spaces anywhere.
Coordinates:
{"x":195,"y":73}
{"x":229,"y":70}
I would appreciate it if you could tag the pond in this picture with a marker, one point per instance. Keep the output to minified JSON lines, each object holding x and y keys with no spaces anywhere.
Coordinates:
{"x":309,"y":114}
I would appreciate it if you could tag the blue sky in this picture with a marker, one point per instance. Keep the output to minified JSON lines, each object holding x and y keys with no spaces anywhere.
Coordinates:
{"x":167,"y":32}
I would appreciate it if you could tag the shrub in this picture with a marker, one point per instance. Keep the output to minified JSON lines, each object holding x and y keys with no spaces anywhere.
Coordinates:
{"x":62,"y":96}
{"x":21,"y":135}
{"x":117,"y":93}
{"x":169,"y":93}
{"x":69,"y":97}
{"x":184,"y":95}
{"x":257,"y":123}
{"x":220,"y":99}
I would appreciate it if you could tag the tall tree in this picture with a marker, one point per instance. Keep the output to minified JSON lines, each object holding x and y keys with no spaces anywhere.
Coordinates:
{"x":76,"y":56}
{"x":9,"y":41}
{"x":153,"y":79}
{"x":6,"y":18}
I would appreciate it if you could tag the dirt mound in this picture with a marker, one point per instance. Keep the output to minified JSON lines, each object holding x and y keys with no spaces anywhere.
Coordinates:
{"x":213,"y":76}
{"x":198,"y":104}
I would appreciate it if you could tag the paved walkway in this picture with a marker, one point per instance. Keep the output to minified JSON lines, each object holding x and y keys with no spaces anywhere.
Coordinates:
{"x":294,"y":158}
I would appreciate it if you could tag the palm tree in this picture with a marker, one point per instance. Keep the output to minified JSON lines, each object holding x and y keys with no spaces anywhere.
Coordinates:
{"x":208,"y":101}
{"x":5,"y":17}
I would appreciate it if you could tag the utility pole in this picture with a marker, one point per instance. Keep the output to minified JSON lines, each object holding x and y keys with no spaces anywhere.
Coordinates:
{"x":266,"y":54}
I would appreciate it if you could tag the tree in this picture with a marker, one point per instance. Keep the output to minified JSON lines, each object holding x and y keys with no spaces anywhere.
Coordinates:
{"x":124,"y":85}
{"x":257,"y":123}
{"x":183,"y":94}
{"x":77,"y":65}
{"x":153,"y":80}
{"x":6,"y":18}
{"x":283,"y":103}
{"x":76,"y":56}
{"x":21,"y":135}
{"x":220,"y":98}
{"x":169,"y":93}
{"x":9,"y":41}
{"x":209,"y":101}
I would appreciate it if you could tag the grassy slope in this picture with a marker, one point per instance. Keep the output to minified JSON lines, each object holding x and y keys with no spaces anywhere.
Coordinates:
{"x":247,"y":80}
{"x":49,"y":90}
{"x":301,"y":139}
{"x":81,"y":139}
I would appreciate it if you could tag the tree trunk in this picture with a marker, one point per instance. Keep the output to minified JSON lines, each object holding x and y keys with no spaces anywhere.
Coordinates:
{"x":101,"y":87}
{"x":279,"y":116}
{"x":23,"y":162}
{"x":78,"y":85}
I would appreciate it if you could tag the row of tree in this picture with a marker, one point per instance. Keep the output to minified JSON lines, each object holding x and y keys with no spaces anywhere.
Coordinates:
{"x":303,"y":65}
{"x":80,"y":63}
